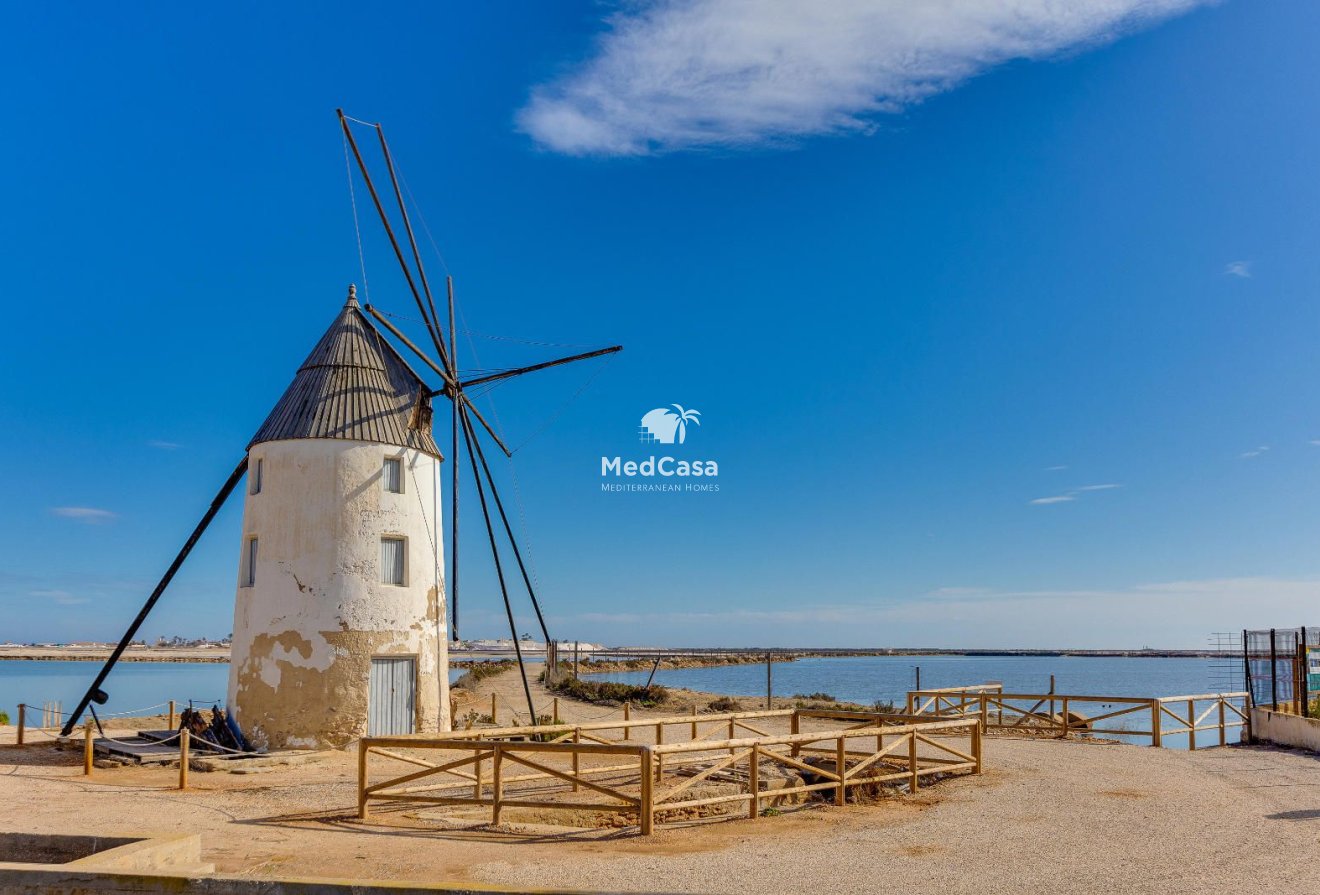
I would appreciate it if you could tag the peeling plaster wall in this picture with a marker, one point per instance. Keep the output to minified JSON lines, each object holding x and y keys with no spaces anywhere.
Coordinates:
{"x":306,"y":630}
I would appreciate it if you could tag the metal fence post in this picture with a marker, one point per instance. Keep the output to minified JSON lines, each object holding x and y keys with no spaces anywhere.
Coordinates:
{"x":1274,"y":672}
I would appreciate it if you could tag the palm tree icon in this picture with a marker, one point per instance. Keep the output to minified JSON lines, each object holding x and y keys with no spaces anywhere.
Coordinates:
{"x":685,"y":417}
{"x":666,"y":427}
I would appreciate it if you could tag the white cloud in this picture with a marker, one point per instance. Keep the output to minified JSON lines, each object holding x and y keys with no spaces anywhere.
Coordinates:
{"x":1255,"y":452}
{"x":1055,"y":468}
{"x":164,"y":445}
{"x":1315,"y":441}
{"x":680,"y":74}
{"x":90,"y":515}
{"x":1238,"y":269}
{"x":1073,"y":493}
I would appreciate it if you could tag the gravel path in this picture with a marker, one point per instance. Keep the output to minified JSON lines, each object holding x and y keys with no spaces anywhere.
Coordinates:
{"x":1048,"y":815}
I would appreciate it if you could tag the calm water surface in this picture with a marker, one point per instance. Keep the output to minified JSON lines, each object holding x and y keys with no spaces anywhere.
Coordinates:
{"x":134,"y":687}
{"x":867,"y":679}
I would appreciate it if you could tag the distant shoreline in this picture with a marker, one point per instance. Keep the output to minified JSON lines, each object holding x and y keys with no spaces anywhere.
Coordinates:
{"x":622,"y":659}
{"x":84,"y":654}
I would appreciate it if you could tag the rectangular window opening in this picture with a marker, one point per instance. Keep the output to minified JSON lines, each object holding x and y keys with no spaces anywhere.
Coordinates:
{"x":392,"y":476}
{"x":254,"y":477}
{"x":392,"y":561}
{"x":250,"y":563}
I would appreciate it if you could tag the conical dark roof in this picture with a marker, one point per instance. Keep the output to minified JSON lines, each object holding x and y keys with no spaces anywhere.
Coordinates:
{"x":356,"y":387}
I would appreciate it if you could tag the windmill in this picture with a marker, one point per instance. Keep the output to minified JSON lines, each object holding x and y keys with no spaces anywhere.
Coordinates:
{"x":463,"y":433}
{"x":352,"y":348}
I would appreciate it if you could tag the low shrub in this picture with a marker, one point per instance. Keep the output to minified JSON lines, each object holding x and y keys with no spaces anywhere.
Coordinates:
{"x":817,"y":697}
{"x":610,"y":693}
{"x":724,"y":704}
{"x":482,"y":670}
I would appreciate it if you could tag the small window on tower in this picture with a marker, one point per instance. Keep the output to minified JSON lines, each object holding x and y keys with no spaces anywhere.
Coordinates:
{"x":392,"y":561}
{"x":393,"y":475}
{"x":254,"y":477}
{"x":250,"y":563}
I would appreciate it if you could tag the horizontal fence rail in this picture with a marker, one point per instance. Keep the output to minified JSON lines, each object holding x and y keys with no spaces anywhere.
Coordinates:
{"x":1062,"y":714}
{"x":575,"y":768}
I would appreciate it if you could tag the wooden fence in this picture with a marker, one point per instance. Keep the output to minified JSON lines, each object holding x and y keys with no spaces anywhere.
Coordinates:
{"x":1063,"y":713}
{"x":650,"y":779}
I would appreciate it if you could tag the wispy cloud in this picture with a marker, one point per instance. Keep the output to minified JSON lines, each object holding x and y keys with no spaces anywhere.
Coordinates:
{"x":1315,"y":441}
{"x":164,"y":445}
{"x":680,"y":74}
{"x":1254,"y":452}
{"x":62,"y":597}
{"x":1058,"y":498}
{"x":1055,"y":468}
{"x":1238,"y":269}
{"x":1073,"y":494}
{"x":89,"y":515}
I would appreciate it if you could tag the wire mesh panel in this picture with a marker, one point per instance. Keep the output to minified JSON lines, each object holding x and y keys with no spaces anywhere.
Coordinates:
{"x":1276,"y":662}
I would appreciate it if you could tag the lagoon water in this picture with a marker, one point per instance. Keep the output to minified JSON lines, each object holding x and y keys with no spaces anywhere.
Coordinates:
{"x":865,"y":679}
{"x":135,"y":688}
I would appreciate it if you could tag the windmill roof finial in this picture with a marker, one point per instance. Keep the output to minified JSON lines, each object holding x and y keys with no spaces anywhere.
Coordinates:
{"x":352,"y":294}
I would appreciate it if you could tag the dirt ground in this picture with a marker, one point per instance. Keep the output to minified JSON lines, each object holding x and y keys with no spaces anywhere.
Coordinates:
{"x":1069,"y":816}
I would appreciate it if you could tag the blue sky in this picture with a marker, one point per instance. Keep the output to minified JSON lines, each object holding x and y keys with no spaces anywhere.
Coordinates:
{"x":931,"y":280}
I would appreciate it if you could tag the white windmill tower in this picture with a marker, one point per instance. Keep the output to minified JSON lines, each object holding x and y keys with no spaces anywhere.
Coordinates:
{"x":339,"y":618}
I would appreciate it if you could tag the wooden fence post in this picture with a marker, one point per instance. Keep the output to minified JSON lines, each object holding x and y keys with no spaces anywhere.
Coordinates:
{"x":1066,"y":725}
{"x":497,"y":783}
{"x":912,"y":760}
{"x":171,"y":714}
{"x":1191,"y":725}
{"x":183,"y":758}
{"x":22,"y":721}
{"x":985,"y":711}
{"x":754,"y":783}
{"x":363,"y":749}
{"x":577,"y":738}
{"x":1156,"y":724}
{"x":88,"y":748}
{"x":554,"y":717}
{"x":627,"y":716}
{"x":492,"y":710}
{"x":1223,"y":733}
{"x":646,"y":808}
{"x":694,"y":721}
{"x":840,"y":768}
{"x":659,"y":759}
{"x":978,"y":743}
{"x":795,"y":726}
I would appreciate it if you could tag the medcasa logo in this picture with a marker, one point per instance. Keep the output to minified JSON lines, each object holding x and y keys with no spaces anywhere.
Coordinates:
{"x":663,"y":425}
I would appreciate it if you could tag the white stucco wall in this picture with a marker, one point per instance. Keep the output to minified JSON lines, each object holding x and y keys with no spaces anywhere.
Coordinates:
{"x":1285,"y":730}
{"x":306,"y":630}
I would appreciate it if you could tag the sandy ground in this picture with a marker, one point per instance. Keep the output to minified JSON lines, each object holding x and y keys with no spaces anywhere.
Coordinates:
{"x":1069,"y":816}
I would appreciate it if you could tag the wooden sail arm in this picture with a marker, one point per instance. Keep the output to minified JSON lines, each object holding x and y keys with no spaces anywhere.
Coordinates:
{"x":509,"y":374}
